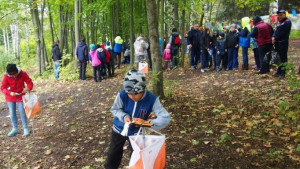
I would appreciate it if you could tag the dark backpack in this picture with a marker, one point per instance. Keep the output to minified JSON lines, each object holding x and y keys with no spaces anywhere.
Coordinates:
{"x":101,"y":55}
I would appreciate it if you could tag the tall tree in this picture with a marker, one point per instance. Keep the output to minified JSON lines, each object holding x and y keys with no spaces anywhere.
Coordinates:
{"x":77,"y":8}
{"x":156,"y":59}
{"x":131,"y":34}
{"x":183,"y":45}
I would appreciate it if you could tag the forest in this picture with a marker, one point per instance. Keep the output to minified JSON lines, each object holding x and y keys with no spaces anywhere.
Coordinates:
{"x":229,"y":119}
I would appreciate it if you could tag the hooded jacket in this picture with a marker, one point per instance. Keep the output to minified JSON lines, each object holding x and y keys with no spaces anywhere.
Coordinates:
{"x":56,"y":55}
{"x":215,"y":38}
{"x":167,"y":53}
{"x":102,"y":55}
{"x":94,"y":58}
{"x":107,"y":54}
{"x":244,"y":38}
{"x":140,"y":46}
{"x":262,"y":32}
{"x":220,"y":46}
{"x":82,"y":52}
{"x":207,"y":40}
{"x":16,"y":85}
{"x":118,"y":44}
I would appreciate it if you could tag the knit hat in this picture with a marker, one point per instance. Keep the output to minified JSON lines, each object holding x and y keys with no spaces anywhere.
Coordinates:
{"x":134,"y":82}
{"x":233,"y":26}
{"x":107,"y":43}
{"x":222,"y":34}
{"x":92,"y":46}
{"x":11,"y":68}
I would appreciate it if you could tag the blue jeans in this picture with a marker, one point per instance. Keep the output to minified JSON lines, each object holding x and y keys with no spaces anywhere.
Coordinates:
{"x":56,"y":69}
{"x":245,"y":55}
{"x":13,"y":114}
{"x":174,"y":61}
{"x":195,"y":55}
{"x":232,"y":58}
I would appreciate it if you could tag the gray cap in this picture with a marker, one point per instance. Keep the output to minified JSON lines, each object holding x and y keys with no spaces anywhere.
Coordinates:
{"x":134,"y":82}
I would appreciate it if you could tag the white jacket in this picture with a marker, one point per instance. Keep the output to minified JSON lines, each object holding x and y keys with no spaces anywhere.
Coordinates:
{"x":140,"y":46}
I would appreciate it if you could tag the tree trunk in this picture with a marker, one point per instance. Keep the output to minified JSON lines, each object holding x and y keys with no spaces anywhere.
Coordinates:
{"x":44,"y":58}
{"x":162,"y":25}
{"x":147,"y":28}
{"x":51,"y":23}
{"x":77,"y":29}
{"x":4,"y":41}
{"x":7,"y":41}
{"x":131,"y":35}
{"x":156,"y":59}
{"x":37,"y":29}
{"x":176,"y":20}
{"x":118,"y":17}
{"x":183,"y":45}
{"x":27,"y":40}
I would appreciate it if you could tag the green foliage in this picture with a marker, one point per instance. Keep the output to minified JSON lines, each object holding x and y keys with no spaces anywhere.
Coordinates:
{"x":4,"y":60}
{"x":169,"y":87}
{"x":68,"y":73}
{"x":291,"y":109}
{"x":295,"y":34}
{"x":224,"y":138}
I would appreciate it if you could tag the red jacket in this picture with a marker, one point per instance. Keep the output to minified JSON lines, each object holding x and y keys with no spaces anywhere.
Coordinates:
{"x":106,"y":53}
{"x":15,"y":84}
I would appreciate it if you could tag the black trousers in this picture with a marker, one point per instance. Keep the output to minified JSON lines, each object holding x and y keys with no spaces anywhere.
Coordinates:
{"x":262,"y":50}
{"x":115,"y":152}
{"x":82,"y":70}
{"x":256,"y":57}
{"x":118,"y":58}
{"x":96,"y":69}
{"x":282,"y":48}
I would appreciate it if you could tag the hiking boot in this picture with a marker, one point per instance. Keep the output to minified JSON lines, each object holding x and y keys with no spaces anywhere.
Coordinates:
{"x":202,"y":70}
{"x":246,"y":67}
{"x":26,"y":132}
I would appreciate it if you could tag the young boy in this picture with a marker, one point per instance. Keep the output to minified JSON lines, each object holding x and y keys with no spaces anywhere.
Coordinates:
{"x":220,"y":48}
{"x":133,"y":102}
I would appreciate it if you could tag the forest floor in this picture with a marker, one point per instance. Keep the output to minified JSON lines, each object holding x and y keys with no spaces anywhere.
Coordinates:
{"x":225,"y":119}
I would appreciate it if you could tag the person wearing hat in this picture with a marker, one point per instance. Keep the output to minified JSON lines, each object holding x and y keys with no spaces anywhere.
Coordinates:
{"x":220,"y":48}
{"x":232,"y":45}
{"x":13,"y":87}
{"x":83,"y":57}
{"x":134,"y":101}
{"x":280,"y":39}
{"x":244,"y":41}
{"x":95,"y":61}
{"x":262,"y":32}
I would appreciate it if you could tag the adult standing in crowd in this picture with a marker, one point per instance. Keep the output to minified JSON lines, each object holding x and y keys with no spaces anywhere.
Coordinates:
{"x":263,"y":34}
{"x":83,"y":57}
{"x":194,"y":42}
{"x":244,"y":41}
{"x":56,"y":56}
{"x":140,"y":49}
{"x":13,"y":87}
{"x":118,"y":50}
{"x":175,"y":43}
{"x":281,"y":40}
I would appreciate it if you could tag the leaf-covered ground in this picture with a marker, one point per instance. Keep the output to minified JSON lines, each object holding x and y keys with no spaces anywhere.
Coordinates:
{"x":219,"y":120}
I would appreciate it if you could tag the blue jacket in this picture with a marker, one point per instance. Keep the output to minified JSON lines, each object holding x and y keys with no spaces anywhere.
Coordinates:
{"x":82,"y":52}
{"x":195,"y":39}
{"x":124,"y":106}
{"x":282,"y":31}
{"x":244,"y":38}
{"x":220,"y":46}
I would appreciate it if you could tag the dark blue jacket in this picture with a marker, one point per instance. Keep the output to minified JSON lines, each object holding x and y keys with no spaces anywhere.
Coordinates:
{"x":282,"y":31}
{"x":232,"y":39}
{"x":82,"y":52}
{"x":220,"y":46}
{"x":195,"y":39}
{"x":142,"y":109}
{"x":56,"y":55}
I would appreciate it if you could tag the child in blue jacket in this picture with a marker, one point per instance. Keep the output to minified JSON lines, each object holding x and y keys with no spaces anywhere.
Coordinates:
{"x":133,"y":102}
{"x":220,"y":48}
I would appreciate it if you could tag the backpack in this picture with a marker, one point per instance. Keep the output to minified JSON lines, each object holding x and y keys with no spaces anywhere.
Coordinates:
{"x":177,"y":40}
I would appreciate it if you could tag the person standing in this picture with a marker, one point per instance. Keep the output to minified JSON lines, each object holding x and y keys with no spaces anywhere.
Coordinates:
{"x":56,"y":56}
{"x":111,"y":67}
{"x":93,"y":56}
{"x":83,"y":57}
{"x":244,"y":41}
{"x":263,"y":34}
{"x":13,"y":87}
{"x":118,"y":50}
{"x":175,"y":43}
{"x":280,"y":39}
{"x":194,"y":42}
{"x":206,"y":58}
{"x":140,"y":49}
{"x":232,"y":44}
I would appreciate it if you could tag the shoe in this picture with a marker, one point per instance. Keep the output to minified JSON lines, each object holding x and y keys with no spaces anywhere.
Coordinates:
{"x":207,"y":69}
{"x":246,"y":67}
{"x":217,"y":69}
{"x":168,"y":69}
{"x":174,"y":67}
{"x":276,"y":75}
{"x":281,"y":76}
{"x":192,"y":67}
{"x":13,"y":132}
{"x":26,"y":132}
{"x":202,"y":70}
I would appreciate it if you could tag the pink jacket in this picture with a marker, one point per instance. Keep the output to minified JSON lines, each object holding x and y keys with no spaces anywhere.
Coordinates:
{"x":167,"y":53}
{"x":94,"y":58}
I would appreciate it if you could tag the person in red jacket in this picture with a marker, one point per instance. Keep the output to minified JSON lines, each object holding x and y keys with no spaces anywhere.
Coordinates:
{"x":13,"y":87}
{"x":107,"y":54}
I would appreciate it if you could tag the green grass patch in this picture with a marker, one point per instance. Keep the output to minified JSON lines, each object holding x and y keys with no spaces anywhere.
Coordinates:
{"x":295,"y":34}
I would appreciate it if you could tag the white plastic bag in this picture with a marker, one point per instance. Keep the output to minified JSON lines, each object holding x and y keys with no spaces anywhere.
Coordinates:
{"x":149,"y":152}
{"x":31,"y":105}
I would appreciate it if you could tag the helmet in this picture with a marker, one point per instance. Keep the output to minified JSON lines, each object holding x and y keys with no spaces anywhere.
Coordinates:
{"x":134,"y":82}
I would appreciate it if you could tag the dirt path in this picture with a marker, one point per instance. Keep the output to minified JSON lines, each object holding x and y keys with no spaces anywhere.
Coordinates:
{"x":219,"y":120}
